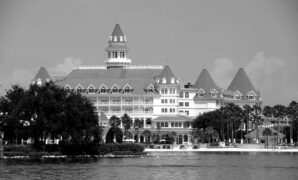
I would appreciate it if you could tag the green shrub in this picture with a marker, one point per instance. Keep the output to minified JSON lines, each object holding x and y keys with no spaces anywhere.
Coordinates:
{"x":126,"y":153}
{"x":38,"y":154}
{"x":13,"y":153}
{"x":18,"y":148}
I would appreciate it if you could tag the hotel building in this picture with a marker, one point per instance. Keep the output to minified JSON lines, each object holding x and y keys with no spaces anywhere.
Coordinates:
{"x":151,"y":93}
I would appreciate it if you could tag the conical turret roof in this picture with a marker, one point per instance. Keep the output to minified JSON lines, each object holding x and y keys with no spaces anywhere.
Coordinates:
{"x":242,"y":83}
{"x":42,"y":76}
{"x":205,"y":82}
{"x":117,"y":31}
{"x":167,"y":76}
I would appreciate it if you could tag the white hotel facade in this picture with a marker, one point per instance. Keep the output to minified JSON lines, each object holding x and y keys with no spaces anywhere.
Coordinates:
{"x":151,"y":93}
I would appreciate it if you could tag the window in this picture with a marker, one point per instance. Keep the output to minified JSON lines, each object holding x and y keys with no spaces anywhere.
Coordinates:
{"x":173,"y":81}
{"x":79,"y":90}
{"x":38,"y":81}
{"x":172,"y":110}
{"x":122,"y":54}
{"x":115,"y":38}
{"x":187,"y":104}
{"x":181,"y":104}
{"x":181,"y":94}
{"x":103,"y":90}
{"x":162,"y":124}
{"x":164,"y":101}
{"x":251,"y":97}
{"x":127,"y":89}
{"x":67,"y":89}
{"x":115,"y":89}
{"x":115,"y":55}
{"x":164,"y":90}
{"x":186,"y":94}
{"x":172,"y":101}
{"x":217,"y":102}
{"x":172,"y":91}
{"x":109,"y":55}
{"x":164,"y":80}
{"x":213,"y":94}
{"x":172,"y":124}
{"x":91,"y":90}
{"x":164,"y":110}
{"x":121,"y":38}
{"x":166,"y":124}
{"x":201,"y":93}
{"x":187,"y":112}
{"x":238,"y":97}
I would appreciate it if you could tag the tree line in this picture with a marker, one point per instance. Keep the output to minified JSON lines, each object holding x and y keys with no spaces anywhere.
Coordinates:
{"x":228,"y":121}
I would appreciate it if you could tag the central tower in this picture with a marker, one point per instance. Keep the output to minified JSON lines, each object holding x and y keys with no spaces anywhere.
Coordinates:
{"x":117,"y":50}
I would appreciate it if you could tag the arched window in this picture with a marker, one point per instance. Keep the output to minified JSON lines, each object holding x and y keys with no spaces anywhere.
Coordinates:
{"x":173,"y":81}
{"x":115,"y":38}
{"x":181,"y":95}
{"x":186,"y":94}
{"x":121,"y":38}
{"x":162,"y":124}
{"x":201,"y":93}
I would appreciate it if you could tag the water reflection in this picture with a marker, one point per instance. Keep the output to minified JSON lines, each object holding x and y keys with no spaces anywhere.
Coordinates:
{"x":184,"y":165}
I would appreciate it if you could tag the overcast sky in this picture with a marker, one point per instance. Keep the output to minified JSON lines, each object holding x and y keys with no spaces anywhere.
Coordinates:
{"x":259,"y":35}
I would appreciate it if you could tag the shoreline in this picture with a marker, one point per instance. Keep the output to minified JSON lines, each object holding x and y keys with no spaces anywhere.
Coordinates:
{"x":223,"y":150}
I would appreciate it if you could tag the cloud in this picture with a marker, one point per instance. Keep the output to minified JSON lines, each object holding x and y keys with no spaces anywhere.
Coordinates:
{"x":223,"y":72}
{"x":65,"y":67}
{"x":270,"y":75}
{"x":23,"y":77}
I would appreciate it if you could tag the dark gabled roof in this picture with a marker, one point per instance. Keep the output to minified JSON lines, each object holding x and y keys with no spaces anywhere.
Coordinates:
{"x":168,"y":75}
{"x":205,"y":82}
{"x":241,"y":83}
{"x":43,"y":75}
{"x":117,"y":31}
{"x":138,"y":79}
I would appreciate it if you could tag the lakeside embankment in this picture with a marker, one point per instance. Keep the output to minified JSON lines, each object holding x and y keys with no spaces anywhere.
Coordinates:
{"x":222,"y":150}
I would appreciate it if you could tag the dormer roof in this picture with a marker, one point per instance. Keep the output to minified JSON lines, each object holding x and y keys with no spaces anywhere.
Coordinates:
{"x":117,"y":31}
{"x":241,"y":83}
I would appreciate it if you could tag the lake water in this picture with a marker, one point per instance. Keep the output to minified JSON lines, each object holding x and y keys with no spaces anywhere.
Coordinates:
{"x":184,"y":165}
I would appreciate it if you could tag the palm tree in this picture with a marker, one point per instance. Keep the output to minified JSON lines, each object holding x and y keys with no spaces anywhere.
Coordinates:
{"x":257,"y":118}
{"x":172,"y":135}
{"x":248,"y":116}
{"x":138,"y":123}
{"x":292,"y":112}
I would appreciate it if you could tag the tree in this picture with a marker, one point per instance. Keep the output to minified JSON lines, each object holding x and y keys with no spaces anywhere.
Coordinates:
{"x":114,"y":121}
{"x":127,"y":123}
{"x":267,"y":132}
{"x":138,"y":123}
{"x":114,"y":133}
{"x":171,"y":137}
{"x":292,"y":111}
{"x":248,"y":116}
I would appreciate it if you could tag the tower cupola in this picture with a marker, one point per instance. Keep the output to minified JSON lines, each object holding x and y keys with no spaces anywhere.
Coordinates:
{"x":117,"y":49}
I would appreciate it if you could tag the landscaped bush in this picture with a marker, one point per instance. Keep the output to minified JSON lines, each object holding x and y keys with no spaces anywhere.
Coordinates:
{"x":18,"y":148}
{"x":113,"y":147}
{"x":14,"y":153}
{"x":38,"y":154}
{"x":126,"y":153}
{"x":51,"y":147}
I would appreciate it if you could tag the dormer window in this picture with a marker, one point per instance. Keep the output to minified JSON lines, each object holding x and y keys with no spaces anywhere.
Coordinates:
{"x":67,"y":89}
{"x":103,"y":89}
{"x":115,"y":38}
{"x":173,"y":81}
{"x":39,"y":81}
{"x":124,"y":38}
{"x":115,"y":55}
{"x":121,"y":38}
{"x":201,"y":93}
{"x":127,"y":89}
{"x":213,"y":93}
{"x":164,"y":80}
{"x":111,"y":38}
{"x":251,"y":97}
{"x":115,"y":89}
{"x":91,"y":90}
{"x":150,"y":89}
{"x":157,"y":80}
{"x":237,"y":95}
{"x":79,"y":90}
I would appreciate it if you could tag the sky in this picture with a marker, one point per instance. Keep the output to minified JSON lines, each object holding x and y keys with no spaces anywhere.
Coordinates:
{"x":221,"y":35}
